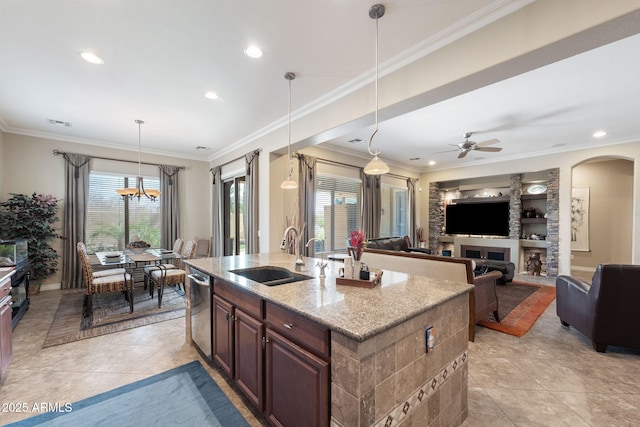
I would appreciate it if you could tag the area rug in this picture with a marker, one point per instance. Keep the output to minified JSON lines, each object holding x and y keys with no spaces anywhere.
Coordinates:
{"x":519,"y":306}
{"x":111,"y":314}
{"x":183,"y":396}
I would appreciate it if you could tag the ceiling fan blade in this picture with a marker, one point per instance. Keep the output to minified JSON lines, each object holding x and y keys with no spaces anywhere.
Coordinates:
{"x":491,"y":149}
{"x":446,"y":151}
{"x":487,"y":142}
{"x":463,"y":154}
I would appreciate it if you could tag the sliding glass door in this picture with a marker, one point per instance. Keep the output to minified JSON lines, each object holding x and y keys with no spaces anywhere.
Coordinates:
{"x":234,"y":216}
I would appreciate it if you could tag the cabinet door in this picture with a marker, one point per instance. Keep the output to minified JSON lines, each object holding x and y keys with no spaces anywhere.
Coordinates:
{"x":223,"y":334}
{"x":297,"y":385}
{"x":248,"y":368}
{"x":5,"y":338}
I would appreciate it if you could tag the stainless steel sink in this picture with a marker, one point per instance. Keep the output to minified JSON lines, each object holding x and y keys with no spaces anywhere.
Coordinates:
{"x":270,"y":275}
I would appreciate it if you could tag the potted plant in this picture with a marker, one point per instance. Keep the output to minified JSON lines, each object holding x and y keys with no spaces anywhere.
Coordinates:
{"x":32,"y":218}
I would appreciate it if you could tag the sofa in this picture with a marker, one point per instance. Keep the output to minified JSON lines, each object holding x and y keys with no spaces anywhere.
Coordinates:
{"x":605,"y":310}
{"x":394,"y":244}
{"x":507,"y":268}
{"x":482,"y":266}
{"x":482,"y":300}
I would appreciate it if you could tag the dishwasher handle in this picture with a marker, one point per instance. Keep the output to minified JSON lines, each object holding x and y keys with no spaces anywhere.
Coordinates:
{"x":200,"y":280}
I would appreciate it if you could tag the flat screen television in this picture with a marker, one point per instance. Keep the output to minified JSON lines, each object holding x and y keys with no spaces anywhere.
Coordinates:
{"x":482,"y":218}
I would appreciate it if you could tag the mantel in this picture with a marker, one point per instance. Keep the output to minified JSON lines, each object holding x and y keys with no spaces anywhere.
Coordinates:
{"x":482,"y":199}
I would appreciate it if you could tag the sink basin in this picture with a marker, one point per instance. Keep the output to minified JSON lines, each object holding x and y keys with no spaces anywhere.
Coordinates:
{"x":270,"y":275}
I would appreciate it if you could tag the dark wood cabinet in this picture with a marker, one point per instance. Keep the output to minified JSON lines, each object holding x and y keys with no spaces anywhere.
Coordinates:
{"x":238,"y":339}
{"x":297,"y":384}
{"x":249,"y":336}
{"x":297,"y":369}
{"x":223,"y":334}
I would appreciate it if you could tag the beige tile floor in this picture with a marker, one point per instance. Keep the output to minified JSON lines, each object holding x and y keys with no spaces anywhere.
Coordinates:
{"x":549,"y":377}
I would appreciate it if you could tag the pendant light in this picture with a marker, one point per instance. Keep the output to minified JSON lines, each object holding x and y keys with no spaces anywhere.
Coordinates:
{"x":139,"y":190}
{"x":376,"y":166}
{"x":289,"y":183}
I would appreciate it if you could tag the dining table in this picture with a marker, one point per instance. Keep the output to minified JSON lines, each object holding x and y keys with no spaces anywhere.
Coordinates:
{"x":137,"y":257}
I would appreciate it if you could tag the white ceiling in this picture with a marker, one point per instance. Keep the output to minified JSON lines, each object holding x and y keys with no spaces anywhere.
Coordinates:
{"x":161,"y":56}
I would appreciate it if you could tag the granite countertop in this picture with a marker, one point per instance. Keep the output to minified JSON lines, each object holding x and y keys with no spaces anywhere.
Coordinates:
{"x":358,"y":313}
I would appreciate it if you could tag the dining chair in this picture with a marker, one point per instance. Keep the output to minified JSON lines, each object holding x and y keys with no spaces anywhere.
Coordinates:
{"x":178,"y":247}
{"x":203,"y":248}
{"x":119,"y":281}
{"x":100,"y":273}
{"x":164,"y":275}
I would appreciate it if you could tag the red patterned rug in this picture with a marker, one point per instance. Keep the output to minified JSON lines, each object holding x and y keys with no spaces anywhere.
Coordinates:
{"x":519,"y":305}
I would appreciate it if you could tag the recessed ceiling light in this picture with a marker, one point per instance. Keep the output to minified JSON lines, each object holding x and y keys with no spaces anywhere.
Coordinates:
{"x":201,"y":147}
{"x":355,"y":141}
{"x":92,"y":58}
{"x":253,"y":52}
{"x":599,"y":134}
{"x":431,"y":162}
{"x":414,"y":158}
{"x":211,"y":95}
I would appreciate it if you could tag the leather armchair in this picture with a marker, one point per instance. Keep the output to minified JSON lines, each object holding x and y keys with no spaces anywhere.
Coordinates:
{"x":606,"y":310}
{"x":484,"y":299}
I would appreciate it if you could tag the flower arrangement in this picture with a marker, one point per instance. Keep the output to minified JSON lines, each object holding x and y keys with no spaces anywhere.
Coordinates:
{"x":357,"y":239}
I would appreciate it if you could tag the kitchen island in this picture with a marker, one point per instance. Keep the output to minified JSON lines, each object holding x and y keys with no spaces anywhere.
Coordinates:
{"x":377,"y":363}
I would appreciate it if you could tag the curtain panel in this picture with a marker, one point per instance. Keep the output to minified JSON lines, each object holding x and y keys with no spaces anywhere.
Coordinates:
{"x":371,"y":205}
{"x":217,"y":244}
{"x":252,"y":189}
{"x":169,"y":205}
{"x":307,"y":199}
{"x":76,"y":194}
{"x":411,"y":191}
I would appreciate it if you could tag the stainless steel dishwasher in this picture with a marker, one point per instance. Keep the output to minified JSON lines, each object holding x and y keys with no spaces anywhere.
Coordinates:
{"x":201,"y":310}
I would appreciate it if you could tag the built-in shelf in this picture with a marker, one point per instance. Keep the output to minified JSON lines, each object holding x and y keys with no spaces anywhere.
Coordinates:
{"x":529,"y":243}
{"x":445,"y":239}
{"x":534,"y":196}
{"x":533,"y":220}
{"x":482,"y":199}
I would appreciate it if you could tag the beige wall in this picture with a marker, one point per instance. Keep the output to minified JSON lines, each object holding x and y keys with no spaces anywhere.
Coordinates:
{"x":610,"y":184}
{"x":1,"y":162}
{"x":28,"y":165}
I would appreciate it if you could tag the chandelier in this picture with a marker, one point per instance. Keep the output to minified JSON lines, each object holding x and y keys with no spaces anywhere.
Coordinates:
{"x":139,"y":190}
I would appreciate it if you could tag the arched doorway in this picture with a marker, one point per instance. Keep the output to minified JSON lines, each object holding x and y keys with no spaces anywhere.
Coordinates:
{"x":602,"y":214}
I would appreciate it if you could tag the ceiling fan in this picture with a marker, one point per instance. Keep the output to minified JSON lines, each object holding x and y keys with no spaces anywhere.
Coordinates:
{"x":466,"y":146}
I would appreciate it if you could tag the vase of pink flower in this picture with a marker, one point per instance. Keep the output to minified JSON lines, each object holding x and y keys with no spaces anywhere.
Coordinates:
{"x":357,"y":239}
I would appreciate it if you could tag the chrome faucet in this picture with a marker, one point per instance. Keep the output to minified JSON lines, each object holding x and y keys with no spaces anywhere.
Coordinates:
{"x":322,"y":264}
{"x":296,"y":249}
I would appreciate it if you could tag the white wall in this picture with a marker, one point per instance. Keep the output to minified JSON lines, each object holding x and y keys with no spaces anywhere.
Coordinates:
{"x":28,"y":165}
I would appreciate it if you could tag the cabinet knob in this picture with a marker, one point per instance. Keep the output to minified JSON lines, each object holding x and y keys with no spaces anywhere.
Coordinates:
{"x":288,"y":325}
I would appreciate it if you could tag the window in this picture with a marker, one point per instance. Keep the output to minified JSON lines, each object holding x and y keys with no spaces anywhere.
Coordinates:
{"x":338,"y":203}
{"x":234,"y":216}
{"x":394,"y":219}
{"x":113,"y":221}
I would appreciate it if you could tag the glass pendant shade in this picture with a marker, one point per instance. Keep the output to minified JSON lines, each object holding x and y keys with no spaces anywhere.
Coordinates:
{"x":289,"y":184}
{"x":376,"y":167}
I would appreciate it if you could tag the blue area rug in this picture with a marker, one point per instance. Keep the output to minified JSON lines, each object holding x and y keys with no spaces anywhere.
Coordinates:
{"x":183,"y":396}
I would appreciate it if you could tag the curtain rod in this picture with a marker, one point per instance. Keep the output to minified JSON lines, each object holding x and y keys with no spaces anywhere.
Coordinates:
{"x":58,"y":153}
{"x":335,"y":162}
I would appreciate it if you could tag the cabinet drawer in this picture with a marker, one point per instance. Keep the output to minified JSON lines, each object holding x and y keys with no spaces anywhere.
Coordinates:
{"x":302,"y":331}
{"x":249,"y":303}
{"x":5,"y":289}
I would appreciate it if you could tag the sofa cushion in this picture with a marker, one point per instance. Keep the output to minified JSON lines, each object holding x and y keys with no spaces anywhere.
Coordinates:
{"x":390,"y":243}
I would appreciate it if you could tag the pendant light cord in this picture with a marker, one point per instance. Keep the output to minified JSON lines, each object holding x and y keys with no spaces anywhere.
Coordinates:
{"x":376,"y":95}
